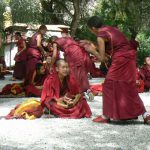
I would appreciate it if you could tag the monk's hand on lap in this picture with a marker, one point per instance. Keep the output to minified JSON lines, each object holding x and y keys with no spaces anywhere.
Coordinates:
{"x":62,"y":104}
{"x":61,"y":99}
{"x":71,"y":104}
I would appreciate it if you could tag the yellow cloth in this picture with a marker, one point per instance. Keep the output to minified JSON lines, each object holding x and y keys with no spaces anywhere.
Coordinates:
{"x":30,"y":104}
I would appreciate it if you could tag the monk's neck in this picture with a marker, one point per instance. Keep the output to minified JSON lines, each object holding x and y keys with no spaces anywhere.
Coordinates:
{"x":148,"y":67}
{"x":61,"y":78}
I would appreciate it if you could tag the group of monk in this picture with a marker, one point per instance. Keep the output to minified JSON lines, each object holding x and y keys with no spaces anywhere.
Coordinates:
{"x":63,"y":83}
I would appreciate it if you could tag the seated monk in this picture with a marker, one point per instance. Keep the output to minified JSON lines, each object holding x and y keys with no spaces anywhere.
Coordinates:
{"x":34,"y":87}
{"x":60,"y":94}
{"x":145,"y":73}
{"x":139,"y":81}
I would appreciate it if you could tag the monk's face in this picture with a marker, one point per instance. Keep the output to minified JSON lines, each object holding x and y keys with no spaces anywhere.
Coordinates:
{"x":43,"y":31}
{"x":147,"y":61}
{"x":93,"y":30}
{"x":17,"y":37}
{"x":63,"y":69}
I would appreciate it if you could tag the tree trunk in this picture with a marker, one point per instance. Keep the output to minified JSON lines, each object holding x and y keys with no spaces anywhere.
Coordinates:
{"x":76,"y":17}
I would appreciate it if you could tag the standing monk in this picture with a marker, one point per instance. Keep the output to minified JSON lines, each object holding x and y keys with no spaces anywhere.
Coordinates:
{"x":61,"y":96}
{"x":120,"y":95}
{"x":76,"y":58}
{"x":35,"y":52}
{"x":20,"y":58}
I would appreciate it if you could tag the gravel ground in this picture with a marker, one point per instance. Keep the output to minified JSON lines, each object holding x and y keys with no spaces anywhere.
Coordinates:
{"x":72,"y":134}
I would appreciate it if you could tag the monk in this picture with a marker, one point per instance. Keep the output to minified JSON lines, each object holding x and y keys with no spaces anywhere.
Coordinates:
{"x":2,"y":62}
{"x":3,"y":70}
{"x":34,"y":87}
{"x":139,"y":81}
{"x":120,"y":96}
{"x":77,"y":59}
{"x":60,"y":94}
{"x":20,"y":58}
{"x":35,"y":52}
{"x":145,"y":71}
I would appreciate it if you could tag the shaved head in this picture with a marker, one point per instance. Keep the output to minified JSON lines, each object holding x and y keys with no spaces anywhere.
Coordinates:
{"x":62,"y":68}
{"x":59,"y":62}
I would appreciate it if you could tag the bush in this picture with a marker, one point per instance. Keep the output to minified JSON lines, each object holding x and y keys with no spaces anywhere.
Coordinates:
{"x":144,"y":48}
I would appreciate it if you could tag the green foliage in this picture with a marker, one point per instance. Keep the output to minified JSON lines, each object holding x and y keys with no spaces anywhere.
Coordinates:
{"x":84,"y":33}
{"x":26,"y":11}
{"x":2,"y":9}
{"x":130,"y":16}
{"x":144,"y":48}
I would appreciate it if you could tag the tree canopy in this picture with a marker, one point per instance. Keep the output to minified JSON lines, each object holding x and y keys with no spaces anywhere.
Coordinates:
{"x":131,"y":16}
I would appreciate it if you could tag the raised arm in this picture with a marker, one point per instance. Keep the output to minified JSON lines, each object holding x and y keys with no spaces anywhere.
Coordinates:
{"x":54,"y":54}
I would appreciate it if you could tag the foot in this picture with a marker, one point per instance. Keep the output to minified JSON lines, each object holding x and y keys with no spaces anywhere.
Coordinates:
{"x":100,"y":119}
{"x":147,"y":120}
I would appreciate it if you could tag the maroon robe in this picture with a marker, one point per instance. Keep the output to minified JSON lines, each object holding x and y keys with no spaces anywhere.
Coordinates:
{"x":33,"y":56}
{"x":31,"y":89}
{"x":20,"y":64}
{"x":77,"y":59}
{"x":134,"y":44}
{"x":145,"y":75}
{"x":2,"y":67}
{"x":140,"y":82}
{"x":120,"y":95}
{"x":53,"y":89}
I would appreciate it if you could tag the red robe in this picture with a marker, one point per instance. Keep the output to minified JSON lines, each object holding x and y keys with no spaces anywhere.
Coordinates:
{"x":33,"y":56}
{"x":54,"y":89}
{"x":145,"y":75}
{"x":77,"y":58}
{"x":140,"y":83}
{"x":120,"y":95}
{"x":20,"y":67}
{"x":15,"y":89}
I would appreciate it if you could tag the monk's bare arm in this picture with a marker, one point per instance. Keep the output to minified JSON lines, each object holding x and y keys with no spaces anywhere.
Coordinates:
{"x":39,"y":40}
{"x":54,"y":54}
{"x":33,"y":77}
{"x":23,"y":49}
{"x":101,"y":49}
